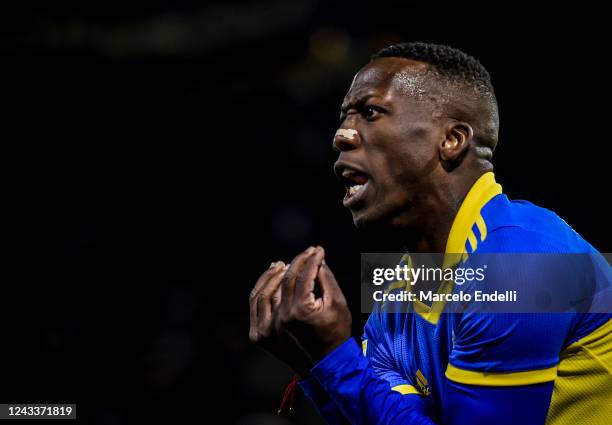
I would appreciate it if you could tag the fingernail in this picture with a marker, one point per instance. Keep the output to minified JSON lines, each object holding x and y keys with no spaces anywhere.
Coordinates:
{"x":276,"y":264}
{"x":310,"y":250}
{"x":272,"y":264}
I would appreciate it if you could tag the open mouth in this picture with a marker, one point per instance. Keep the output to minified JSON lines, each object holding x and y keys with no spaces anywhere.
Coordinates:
{"x":356,"y":183}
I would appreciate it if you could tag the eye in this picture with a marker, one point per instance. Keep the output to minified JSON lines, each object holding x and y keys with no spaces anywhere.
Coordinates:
{"x":371,"y":112}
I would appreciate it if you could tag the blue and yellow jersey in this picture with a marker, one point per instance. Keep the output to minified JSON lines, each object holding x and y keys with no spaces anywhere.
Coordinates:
{"x":432,"y":365}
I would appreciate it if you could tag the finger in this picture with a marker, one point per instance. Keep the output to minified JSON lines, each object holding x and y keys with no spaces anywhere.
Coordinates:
{"x":276,"y":298}
{"x":328,"y":284}
{"x":265,"y":277}
{"x":305,"y":280}
{"x":288,"y":283}
{"x":264,"y":300}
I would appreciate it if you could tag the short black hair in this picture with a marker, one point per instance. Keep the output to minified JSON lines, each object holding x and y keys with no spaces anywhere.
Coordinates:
{"x":460,"y":70}
{"x":448,"y":61}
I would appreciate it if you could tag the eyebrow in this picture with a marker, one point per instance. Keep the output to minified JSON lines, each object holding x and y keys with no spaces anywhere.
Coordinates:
{"x":359,"y":101}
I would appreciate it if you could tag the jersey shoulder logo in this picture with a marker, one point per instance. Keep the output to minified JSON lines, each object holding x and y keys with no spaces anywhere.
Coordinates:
{"x":422,"y":383}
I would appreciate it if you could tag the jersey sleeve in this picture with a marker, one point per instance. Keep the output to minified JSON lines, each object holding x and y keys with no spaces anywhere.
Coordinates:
{"x":519,"y":344}
{"x":365,"y":398}
{"x":507,"y":349}
{"x":378,"y":349}
{"x":485,"y":405}
{"x":324,"y":404}
{"x":361,"y":394}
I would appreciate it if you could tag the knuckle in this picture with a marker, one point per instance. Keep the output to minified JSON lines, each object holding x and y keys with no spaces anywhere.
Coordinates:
{"x":297,"y":310}
{"x":264,"y":334}
{"x":284,"y":318}
{"x":295,"y":314}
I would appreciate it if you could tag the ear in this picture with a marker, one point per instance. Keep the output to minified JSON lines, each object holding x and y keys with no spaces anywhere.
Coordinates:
{"x":459,"y":134}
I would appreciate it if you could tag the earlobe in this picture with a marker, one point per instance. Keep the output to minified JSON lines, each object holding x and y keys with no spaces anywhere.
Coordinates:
{"x":457,"y":141}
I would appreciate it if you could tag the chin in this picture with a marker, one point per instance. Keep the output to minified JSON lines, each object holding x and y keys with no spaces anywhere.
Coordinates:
{"x":359,"y":222}
{"x":363,"y":220}
{"x":380,"y":217}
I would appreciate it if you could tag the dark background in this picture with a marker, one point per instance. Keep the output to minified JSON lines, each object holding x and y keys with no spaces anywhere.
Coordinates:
{"x":158,"y":155}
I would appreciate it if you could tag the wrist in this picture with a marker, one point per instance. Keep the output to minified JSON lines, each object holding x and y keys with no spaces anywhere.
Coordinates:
{"x":328,"y":349}
{"x":301,"y":364}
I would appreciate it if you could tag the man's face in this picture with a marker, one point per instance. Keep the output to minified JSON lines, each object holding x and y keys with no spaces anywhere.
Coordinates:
{"x":388,"y":143}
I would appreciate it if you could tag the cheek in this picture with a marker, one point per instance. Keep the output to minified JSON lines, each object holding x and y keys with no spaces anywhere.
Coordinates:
{"x":413,"y":161}
{"x":404,"y":157}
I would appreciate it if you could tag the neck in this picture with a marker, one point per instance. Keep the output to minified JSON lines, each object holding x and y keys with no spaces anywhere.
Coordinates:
{"x":431,"y":232}
{"x":429,"y":228}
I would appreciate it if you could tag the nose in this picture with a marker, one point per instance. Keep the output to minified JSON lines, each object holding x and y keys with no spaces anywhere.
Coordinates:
{"x":346,"y":139}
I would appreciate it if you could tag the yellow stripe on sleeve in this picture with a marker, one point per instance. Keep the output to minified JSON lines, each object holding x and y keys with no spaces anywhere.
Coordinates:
{"x":510,"y":379}
{"x":405,"y":389}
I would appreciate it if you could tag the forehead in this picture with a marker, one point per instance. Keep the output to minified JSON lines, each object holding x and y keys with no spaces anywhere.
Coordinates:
{"x":387,"y":76}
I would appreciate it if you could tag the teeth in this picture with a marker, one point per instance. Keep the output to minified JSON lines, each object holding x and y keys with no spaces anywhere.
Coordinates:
{"x":354,"y":189}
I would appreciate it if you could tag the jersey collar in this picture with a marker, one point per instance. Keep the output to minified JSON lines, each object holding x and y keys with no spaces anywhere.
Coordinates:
{"x":468,"y":229}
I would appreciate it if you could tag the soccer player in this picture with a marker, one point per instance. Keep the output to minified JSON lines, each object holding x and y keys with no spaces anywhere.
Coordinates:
{"x":418,"y":128}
